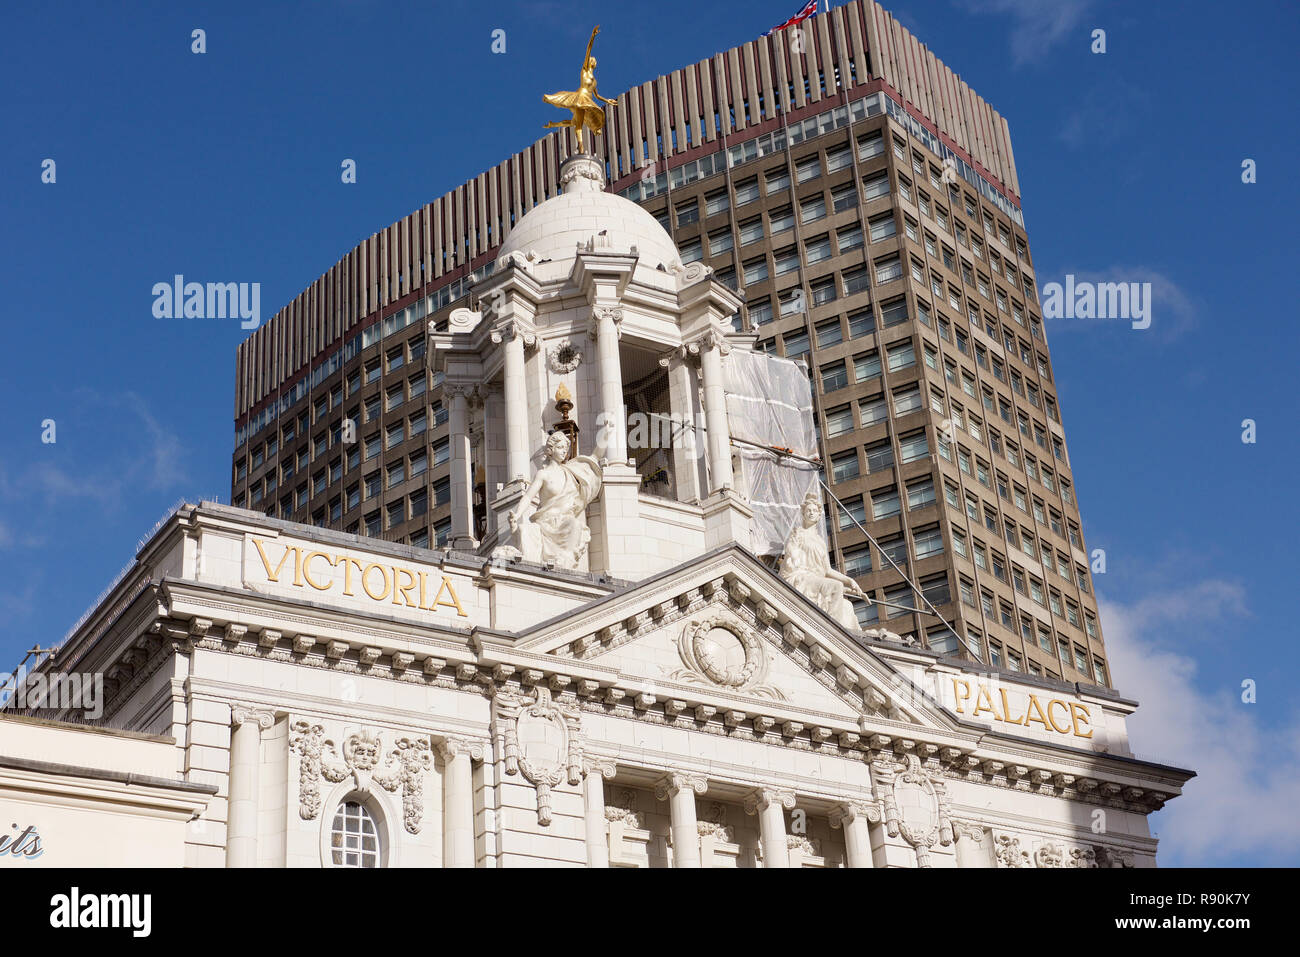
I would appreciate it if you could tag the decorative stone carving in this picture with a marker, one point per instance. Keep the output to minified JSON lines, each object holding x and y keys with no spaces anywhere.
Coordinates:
{"x":542,"y":742}
{"x":807,"y":846}
{"x":563,"y":357}
{"x":621,"y":806}
{"x":580,"y":167}
{"x":691,"y":273}
{"x":362,"y":755}
{"x":1049,"y":855}
{"x":240,"y":713}
{"x":1008,"y":852}
{"x":915,"y":804}
{"x":718,"y":650}
{"x":613,"y":313}
{"x":1082,"y":857}
{"x":555,"y":531}
{"x":1112,"y":856}
{"x":805,"y":565}
{"x":714,"y":824}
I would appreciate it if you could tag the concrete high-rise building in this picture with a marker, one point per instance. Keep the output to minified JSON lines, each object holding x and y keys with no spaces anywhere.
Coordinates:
{"x":865,"y":203}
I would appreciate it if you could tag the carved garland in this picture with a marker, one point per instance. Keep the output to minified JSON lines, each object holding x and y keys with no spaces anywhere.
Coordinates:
{"x":542,"y":742}
{"x":702,"y":668}
{"x":916,"y":805}
{"x":402,"y":771}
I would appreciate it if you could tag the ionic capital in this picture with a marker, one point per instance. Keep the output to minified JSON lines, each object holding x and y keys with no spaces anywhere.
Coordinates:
{"x":450,"y":748}
{"x":763,"y":798}
{"x":240,"y":713}
{"x":671,"y":784}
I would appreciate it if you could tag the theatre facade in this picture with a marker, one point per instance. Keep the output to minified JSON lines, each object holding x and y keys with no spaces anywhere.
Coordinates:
{"x":614,"y":669}
{"x":329,"y":700}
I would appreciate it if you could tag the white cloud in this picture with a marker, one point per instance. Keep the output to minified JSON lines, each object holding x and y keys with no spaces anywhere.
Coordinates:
{"x":1037,"y":25}
{"x":1241,"y":805}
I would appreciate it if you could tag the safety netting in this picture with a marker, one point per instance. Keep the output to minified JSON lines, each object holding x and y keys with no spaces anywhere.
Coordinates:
{"x":769,"y":406}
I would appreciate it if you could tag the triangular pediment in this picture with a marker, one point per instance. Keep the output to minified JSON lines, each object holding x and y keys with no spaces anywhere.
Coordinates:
{"x":724,"y":628}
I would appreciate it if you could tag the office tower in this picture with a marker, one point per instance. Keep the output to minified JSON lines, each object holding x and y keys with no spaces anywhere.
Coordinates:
{"x":866,"y":202}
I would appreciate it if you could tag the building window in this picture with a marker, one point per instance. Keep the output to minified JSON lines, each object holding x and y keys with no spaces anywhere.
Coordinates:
{"x":929,"y":541}
{"x":914,"y":446}
{"x":755,"y":270}
{"x":876,"y":186}
{"x":853,"y":510}
{"x":839,"y":421}
{"x":354,"y":837}
{"x":866,"y":366}
{"x":844,"y":466}
{"x":751,"y":231}
{"x":882,"y":227}
{"x":901,"y":356}
{"x":747,"y":191}
{"x":812,"y":209}
{"x":785,"y":260}
{"x":857,"y":561}
{"x":880,"y":456}
{"x":872,"y":410}
{"x":884,"y":503}
{"x":834,"y":376}
{"x":888,"y":269}
{"x":777,"y":180}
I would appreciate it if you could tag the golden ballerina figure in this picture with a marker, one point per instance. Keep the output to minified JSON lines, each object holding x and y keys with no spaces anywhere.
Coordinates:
{"x":582,"y":102}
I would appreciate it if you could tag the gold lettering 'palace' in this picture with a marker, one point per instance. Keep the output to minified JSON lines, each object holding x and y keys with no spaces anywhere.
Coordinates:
{"x":379,"y":582}
{"x":1073,"y":717}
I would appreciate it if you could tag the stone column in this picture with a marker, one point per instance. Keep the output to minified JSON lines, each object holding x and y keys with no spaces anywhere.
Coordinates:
{"x":680,"y":790}
{"x":594,"y":811}
{"x":247,"y":726}
{"x":462,"y":469}
{"x":857,"y":838}
{"x":688,"y":443}
{"x":516,"y":391}
{"x":712,"y":347}
{"x":770,"y":805}
{"x":612,"y":427}
{"x":458,"y":800}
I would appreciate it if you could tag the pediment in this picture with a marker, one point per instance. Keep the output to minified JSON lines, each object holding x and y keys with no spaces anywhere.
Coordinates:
{"x":724,"y":628}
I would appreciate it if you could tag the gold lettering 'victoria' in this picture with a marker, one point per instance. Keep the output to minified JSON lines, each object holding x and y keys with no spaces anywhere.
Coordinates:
{"x":377,"y":581}
{"x":1077,"y":718}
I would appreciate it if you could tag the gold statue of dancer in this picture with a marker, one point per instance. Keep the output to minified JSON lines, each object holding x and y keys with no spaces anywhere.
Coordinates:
{"x":582,"y":102}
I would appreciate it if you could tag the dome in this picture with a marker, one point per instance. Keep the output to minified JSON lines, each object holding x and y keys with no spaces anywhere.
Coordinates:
{"x":553,"y":229}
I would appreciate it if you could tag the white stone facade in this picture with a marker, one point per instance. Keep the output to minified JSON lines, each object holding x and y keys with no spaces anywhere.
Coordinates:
{"x":306,"y":698}
{"x":707,"y":716}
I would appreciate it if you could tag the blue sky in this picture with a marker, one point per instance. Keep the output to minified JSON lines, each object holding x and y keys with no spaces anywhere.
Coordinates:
{"x":225,"y":166}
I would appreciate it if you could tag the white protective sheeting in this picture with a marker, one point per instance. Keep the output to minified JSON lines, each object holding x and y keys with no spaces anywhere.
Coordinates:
{"x":769,"y":403}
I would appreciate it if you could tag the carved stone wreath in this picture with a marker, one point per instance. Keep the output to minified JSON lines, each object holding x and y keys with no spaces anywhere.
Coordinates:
{"x":720,"y":651}
{"x":542,"y":742}
{"x":362,"y":755}
{"x":563,"y":357}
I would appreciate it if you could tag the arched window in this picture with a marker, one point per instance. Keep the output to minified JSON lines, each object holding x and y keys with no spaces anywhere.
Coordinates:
{"x":355,"y":837}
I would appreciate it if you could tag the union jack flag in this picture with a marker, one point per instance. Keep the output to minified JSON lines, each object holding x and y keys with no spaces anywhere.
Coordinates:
{"x":808,"y":10}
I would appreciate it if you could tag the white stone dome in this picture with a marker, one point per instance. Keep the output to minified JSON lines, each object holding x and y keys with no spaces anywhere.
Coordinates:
{"x":552,"y":230}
